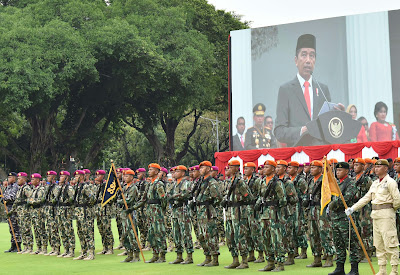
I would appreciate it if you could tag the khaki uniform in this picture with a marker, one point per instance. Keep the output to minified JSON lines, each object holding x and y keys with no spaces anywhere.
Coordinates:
{"x":382,"y":194}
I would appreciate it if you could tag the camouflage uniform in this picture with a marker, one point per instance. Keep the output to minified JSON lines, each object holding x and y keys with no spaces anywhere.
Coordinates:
{"x":24,"y":219}
{"x":35,"y":203}
{"x":65,"y":216}
{"x":194,"y":187}
{"x":118,"y":211}
{"x":84,"y":197}
{"x":300,"y":185}
{"x":220,"y":213}
{"x":271,"y":201}
{"x":181,"y":217}
{"x":340,"y":222}
{"x":130,"y":242}
{"x":230,"y":237}
{"x":103,"y":218}
{"x":10,"y":194}
{"x":50,"y":216}
{"x":142,"y":221}
{"x":168,"y":215}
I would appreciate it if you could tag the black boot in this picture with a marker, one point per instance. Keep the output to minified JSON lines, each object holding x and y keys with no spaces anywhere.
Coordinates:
{"x":13,"y":246}
{"x":354,"y":269}
{"x":339,"y":269}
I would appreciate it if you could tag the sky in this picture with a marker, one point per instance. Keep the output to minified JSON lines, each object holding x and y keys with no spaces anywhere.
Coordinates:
{"x":272,"y":12}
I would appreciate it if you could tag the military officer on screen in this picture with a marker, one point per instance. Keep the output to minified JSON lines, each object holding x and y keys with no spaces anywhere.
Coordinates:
{"x":259,"y":136}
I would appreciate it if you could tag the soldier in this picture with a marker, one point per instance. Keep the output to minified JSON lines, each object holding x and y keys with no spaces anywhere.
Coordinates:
{"x":272,"y":199}
{"x":288,"y":213}
{"x":10,"y":193}
{"x":351,"y":165}
{"x":340,"y":222}
{"x":35,"y":203}
{"x":254,"y":235}
{"x":178,"y":198}
{"x":307,"y":169}
{"x":103,"y":215}
{"x":218,"y":208}
{"x":363,"y":218}
{"x":131,"y":193}
{"x":118,"y":211}
{"x":20,"y":208}
{"x":169,"y":184}
{"x":194,"y":187}
{"x":154,"y":196}
{"x":140,"y":213}
{"x":49,"y":212}
{"x":83,"y":199}
{"x":297,"y":177}
{"x":385,"y":198}
{"x":87,"y":175}
{"x":65,"y":215}
{"x":259,"y":136}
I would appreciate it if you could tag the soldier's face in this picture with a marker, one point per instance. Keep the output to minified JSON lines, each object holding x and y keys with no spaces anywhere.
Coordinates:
{"x":381,"y":170}
{"x":35,"y":181}
{"x":258,"y":120}
{"x":178,"y":174}
{"x":248,"y":171}
{"x":62,"y":178}
{"x":341,"y":172}
{"x":21,"y":180}
{"x":153,"y":172}
{"x":119,"y":175}
{"x":268,"y":170}
{"x":280,"y":170}
{"x":292,"y":170}
{"x":140,"y":175}
{"x":49,"y":178}
{"x":100,"y":178}
{"x":233,"y":169}
{"x":196,"y":174}
{"x":396,"y":167}
{"x":305,"y":62}
{"x":351,"y":164}
{"x":128,"y":178}
{"x":358,"y":167}
{"x":204,"y":170}
{"x":316,"y":170}
{"x":227,"y":173}
{"x":214,"y":174}
{"x":11,"y":179}
{"x":307,"y":169}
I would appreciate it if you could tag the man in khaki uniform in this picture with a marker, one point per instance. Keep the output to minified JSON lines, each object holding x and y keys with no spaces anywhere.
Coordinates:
{"x":385,"y":198}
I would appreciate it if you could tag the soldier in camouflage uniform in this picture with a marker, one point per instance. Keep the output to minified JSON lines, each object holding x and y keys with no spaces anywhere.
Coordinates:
{"x":64,"y":213}
{"x":50,"y":214}
{"x":83,"y":200}
{"x":9,"y":194}
{"x":154,"y":196}
{"x":20,"y":208}
{"x":140,"y":213}
{"x":300,"y":222}
{"x":35,"y":204}
{"x":289,"y":213}
{"x":118,"y":210}
{"x":254,"y":235}
{"x":169,"y":184}
{"x":131,"y":194}
{"x":270,"y":202}
{"x":206,"y":197}
{"x":178,"y":197}
{"x":318,"y":226}
{"x":307,"y":171}
{"x":340,"y":222}
{"x":219,"y":208}
{"x":195,"y":185}
{"x":363,"y":217}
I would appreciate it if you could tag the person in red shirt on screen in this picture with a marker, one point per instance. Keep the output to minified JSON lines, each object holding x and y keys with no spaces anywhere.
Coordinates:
{"x":361,"y":137}
{"x":381,"y":130}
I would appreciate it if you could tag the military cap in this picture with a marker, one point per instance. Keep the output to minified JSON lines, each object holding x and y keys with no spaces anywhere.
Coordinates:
{"x":301,"y":165}
{"x":389,"y":160}
{"x":214,"y":168}
{"x":196,"y":168}
{"x":205,"y":163}
{"x":234,"y":162}
{"x":317,"y":163}
{"x":374,"y":161}
{"x":307,"y":164}
{"x":100,"y":172}
{"x":333,"y":160}
{"x":51,"y":173}
{"x":343,"y":164}
{"x":119,"y":170}
{"x":139,"y":170}
{"x":350,"y":160}
{"x":22,"y":174}
{"x":368,"y":160}
{"x":259,"y":109}
{"x":306,"y":41}
{"x":129,"y":172}
{"x":382,"y":162}
{"x":282,"y":162}
{"x":36,"y":176}
{"x":250,"y":164}
{"x":396,"y":160}
{"x":293,"y":163}
{"x":66,"y":173}
{"x":12,"y":174}
{"x":270,"y":162}
{"x":79,"y":172}
{"x":181,"y":167}
{"x":227,"y":167}
{"x":165,"y":170}
{"x":87,"y":171}
{"x":261,"y":166}
{"x":375,"y":158}
{"x":359,"y":160}
{"x":155,"y":165}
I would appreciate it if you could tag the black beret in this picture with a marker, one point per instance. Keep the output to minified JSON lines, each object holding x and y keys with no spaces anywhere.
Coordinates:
{"x":389,"y":160}
{"x":306,"y":41}
{"x":343,"y":164}
{"x":375,"y":158}
{"x":12,"y":174}
{"x":350,"y":160}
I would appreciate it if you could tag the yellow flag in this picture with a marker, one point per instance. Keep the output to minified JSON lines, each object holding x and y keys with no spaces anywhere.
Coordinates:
{"x":329,"y":186}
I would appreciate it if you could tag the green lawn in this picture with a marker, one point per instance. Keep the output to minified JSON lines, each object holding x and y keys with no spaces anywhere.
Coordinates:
{"x":110,"y":264}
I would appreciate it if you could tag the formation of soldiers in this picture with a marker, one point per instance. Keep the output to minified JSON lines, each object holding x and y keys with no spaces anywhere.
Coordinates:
{"x":273,"y":209}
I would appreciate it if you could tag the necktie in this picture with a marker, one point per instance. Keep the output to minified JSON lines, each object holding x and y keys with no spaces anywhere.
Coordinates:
{"x":241,"y":141}
{"x":307,"y":96}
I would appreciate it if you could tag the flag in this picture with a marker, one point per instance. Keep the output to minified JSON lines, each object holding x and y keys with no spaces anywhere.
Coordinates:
{"x":111,"y":188}
{"x":329,"y":186}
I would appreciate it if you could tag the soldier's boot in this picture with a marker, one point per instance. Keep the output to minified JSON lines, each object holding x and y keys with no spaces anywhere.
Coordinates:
{"x":394,"y":270}
{"x":103,"y":251}
{"x":214,"y":261}
{"x":303,"y":253}
{"x":296,"y":252}
{"x":324,"y":257}
{"x":251,"y":256}
{"x":49,"y":253}
{"x":354,"y":269}
{"x":189,"y":259}
{"x":36,"y":252}
{"x":70,"y":254}
{"x":234,"y":264}
{"x":244,"y":263}
{"x":206,"y":261}
{"x":316,"y":263}
{"x":161,"y":259}
{"x":56,"y":252}
{"x":129,"y":258}
{"x":260,"y":258}
{"x":109,"y":250}
{"x":123,"y":253}
{"x":382,"y":270}
{"x":279,"y":267}
{"x":13,"y":246}
{"x":328,"y":262}
{"x":23,"y":250}
{"x":197,"y":245}
{"x":178,"y":259}
{"x":28,"y":250}
{"x":136,"y":257}
{"x":16,"y":249}
{"x":269,"y":267}
{"x":153,"y":259}
{"x":120,"y":246}
{"x":82,"y":256}
{"x":64,"y":254}
{"x":43,"y":251}
{"x":90,"y":256}
{"x":339,"y":269}
{"x":290,"y":259}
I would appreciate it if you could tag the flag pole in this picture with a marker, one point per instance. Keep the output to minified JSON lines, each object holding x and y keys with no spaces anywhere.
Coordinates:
{"x":9,"y":220}
{"x":354,"y":226}
{"x":129,"y":214}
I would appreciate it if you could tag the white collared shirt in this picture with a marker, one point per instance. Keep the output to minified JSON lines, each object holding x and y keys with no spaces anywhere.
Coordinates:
{"x":310,"y":89}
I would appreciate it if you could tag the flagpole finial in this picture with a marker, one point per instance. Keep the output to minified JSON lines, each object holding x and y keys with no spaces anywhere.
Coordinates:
{"x":112,"y":161}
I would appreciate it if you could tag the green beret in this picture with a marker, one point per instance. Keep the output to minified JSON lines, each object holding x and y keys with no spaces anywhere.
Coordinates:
{"x":259,"y":109}
{"x":382,"y":162}
{"x":343,"y":164}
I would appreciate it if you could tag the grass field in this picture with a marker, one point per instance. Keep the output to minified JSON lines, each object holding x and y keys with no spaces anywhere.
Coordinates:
{"x":12,"y":263}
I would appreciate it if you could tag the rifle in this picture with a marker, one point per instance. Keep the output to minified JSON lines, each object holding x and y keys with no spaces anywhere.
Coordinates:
{"x":270,"y":185}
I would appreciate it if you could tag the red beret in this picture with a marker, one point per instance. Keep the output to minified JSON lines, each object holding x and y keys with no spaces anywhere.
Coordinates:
{"x":65,"y":173}
{"x":79,"y":172}
{"x":261,"y":166}
{"x":196,"y":168}
{"x":87,"y":171}
{"x":205,"y":163}
{"x":214,"y":168}
{"x":100,"y":172}
{"x":270,"y":162}
{"x":139,"y":170}
{"x":36,"y":176}
{"x":52,"y":173}
{"x":165,"y":170}
{"x":281,"y":162}
{"x":22,"y":174}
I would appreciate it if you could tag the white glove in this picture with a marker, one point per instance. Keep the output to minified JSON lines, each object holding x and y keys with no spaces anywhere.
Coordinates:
{"x":349,"y":211}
